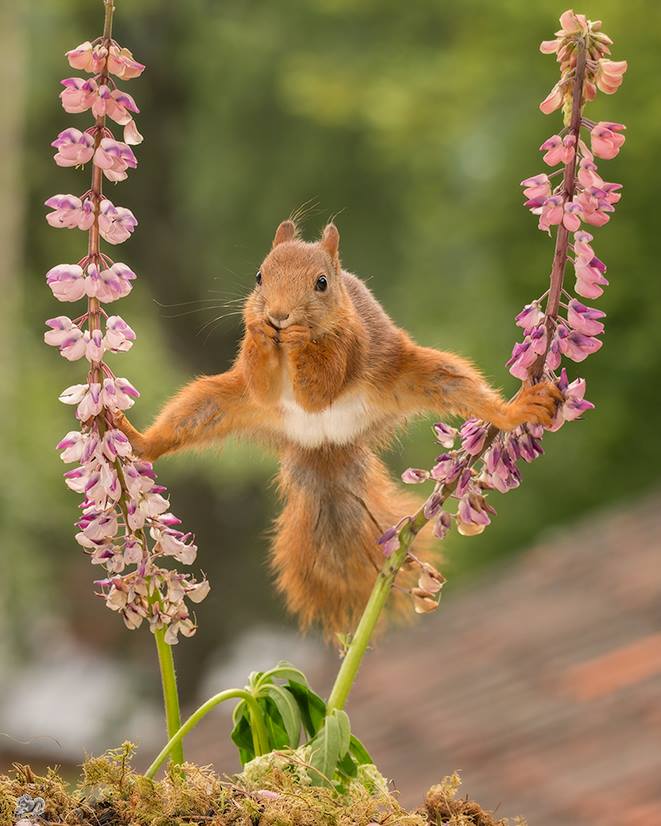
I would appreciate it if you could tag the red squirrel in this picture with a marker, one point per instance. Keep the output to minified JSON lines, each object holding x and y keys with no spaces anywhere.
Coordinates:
{"x":324,"y":376}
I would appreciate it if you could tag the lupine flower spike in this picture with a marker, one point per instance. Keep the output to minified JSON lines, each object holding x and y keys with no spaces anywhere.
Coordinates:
{"x":557,"y":325}
{"x":126,"y":526}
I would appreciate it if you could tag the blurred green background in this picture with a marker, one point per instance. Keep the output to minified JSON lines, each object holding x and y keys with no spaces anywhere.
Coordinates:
{"x":412,"y":123}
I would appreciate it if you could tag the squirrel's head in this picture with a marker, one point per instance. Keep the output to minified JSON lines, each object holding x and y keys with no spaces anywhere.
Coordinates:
{"x":300,"y":282}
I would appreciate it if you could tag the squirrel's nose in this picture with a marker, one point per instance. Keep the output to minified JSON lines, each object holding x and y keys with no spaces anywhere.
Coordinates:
{"x":277,"y":318}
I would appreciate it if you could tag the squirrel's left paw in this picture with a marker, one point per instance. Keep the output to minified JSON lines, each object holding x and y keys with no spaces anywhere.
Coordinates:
{"x":296,"y":335}
{"x":535,"y":404}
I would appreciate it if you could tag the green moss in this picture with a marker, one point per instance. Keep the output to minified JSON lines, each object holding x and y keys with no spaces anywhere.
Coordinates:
{"x":273,"y":791}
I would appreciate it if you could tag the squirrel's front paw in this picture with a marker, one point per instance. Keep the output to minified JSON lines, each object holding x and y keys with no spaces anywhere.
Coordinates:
{"x":295,"y":336}
{"x":264,"y":335}
{"x":535,"y":404}
{"x":134,"y":436}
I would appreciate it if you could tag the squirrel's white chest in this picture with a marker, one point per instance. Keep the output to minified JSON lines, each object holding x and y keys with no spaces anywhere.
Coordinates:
{"x":339,"y":423}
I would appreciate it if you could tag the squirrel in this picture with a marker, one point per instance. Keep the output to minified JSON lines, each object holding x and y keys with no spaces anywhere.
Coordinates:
{"x":324,"y":376}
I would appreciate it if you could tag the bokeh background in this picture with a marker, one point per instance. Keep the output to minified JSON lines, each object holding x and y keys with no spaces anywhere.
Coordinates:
{"x":412,"y":124}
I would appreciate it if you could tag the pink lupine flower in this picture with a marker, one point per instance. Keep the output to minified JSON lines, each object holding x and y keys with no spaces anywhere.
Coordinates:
{"x":546,"y":46}
{"x":115,"y":444}
{"x":74,"y":148}
{"x":442,"y":525}
{"x":114,"y":158}
{"x":67,"y":336}
{"x":433,"y":505}
{"x":66,"y":281}
{"x":574,"y":404}
{"x":558,"y":150}
{"x":522,"y":359}
{"x":530,"y":316}
{"x":526,"y":445}
{"x":538,"y":186}
{"x":577,"y":346}
{"x":500,"y":468}
{"x":572,"y":23}
{"x":582,"y":246}
{"x":473,"y":514}
{"x":595,"y":206}
{"x":116,"y":224}
{"x":553,"y":100}
{"x":609,"y":75}
{"x":79,"y":94}
{"x":131,"y":135}
{"x":552,"y":212}
{"x":585,"y":319}
{"x":119,"y":336}
{"x":121,"y":63}
{"x":587,"y":173}
{"x":590,"y":279}
{"x":572,"y":216}
{"x":70,"y":212}
{"x":473,"y":436}
{"x":87,"y":57}
{"x":606,"y":140}
{"x":110,"y":284}
{"x":446,"y":468}
{"x":87,"y":397}
{"x":72,"y":446}
{"x":415,"y":476}
{"x":119,"y":394}
{"x":389,"y":541}
{"x":116,"y":104}
{"x":445,"y":435}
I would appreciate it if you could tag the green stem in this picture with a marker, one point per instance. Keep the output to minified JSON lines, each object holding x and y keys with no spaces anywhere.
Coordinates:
{"x":170,"y":694}
{"x":260,"y":735}
{"x":346,"y":676}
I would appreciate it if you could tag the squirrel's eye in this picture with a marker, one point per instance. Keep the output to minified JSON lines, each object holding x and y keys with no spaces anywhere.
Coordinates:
{"x":322,"y":284}
{"x":258,"y":277}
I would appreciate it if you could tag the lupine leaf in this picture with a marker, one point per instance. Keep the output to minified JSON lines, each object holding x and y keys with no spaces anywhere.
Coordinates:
{"x":288,"y":710}
{"x":311,"y":705}
{"x":283,"y":671}
{"x":329,"y":746}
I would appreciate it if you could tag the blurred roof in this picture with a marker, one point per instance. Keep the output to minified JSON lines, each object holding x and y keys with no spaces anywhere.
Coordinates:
{"x":542,"y":683}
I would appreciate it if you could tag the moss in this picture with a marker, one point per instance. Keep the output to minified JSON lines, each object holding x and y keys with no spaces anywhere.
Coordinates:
{"x":273,"y":791}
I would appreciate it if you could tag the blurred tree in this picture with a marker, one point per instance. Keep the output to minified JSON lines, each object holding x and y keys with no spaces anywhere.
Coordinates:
{"x":413,"y":124}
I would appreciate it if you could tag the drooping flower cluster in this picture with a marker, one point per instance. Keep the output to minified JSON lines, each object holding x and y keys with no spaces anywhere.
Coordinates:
{"x":125,"y":525}
{"x":556,"y":325}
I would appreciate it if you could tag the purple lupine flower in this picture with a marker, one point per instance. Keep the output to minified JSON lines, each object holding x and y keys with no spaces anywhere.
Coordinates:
{"x":445,"y":435}
{"x":585,"y":319}
{"x":415,"y":476}
{"x":116,"y":224}
{"x":74,"y":148}
{"x":69,"y":212}
{"x":530,"y":316}
{"x":473,"y":436}
{"x":114,"y":158}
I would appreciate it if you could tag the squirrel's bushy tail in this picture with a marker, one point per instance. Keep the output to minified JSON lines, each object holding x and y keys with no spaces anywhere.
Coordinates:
{"x":325,"y":554}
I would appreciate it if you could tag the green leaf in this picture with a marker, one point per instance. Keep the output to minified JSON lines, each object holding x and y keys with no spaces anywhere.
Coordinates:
{"x":347,"y":766}
{"x":359,"y":752}
{"x":328,"y":747}
{"x":288,"y":710}
{"x":278,"y":738}
{"x":242,"y":737}
{"x":311,"y":706}
{"x":284,"y":671}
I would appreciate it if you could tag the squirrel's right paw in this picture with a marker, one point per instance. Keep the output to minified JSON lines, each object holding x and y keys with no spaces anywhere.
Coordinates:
{"x":535,"y":404}
{"x":263,"y":333}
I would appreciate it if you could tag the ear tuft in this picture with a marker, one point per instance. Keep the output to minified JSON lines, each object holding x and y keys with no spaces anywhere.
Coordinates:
{"x":287,"y":231}
{"x":330,"y":241}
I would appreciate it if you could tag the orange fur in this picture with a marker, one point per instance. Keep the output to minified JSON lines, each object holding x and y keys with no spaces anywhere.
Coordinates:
{"x":325,"y":376}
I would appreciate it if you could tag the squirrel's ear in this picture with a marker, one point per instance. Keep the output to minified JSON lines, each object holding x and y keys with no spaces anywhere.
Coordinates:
{"x":285,"y":232}
{"x":330,"y":241}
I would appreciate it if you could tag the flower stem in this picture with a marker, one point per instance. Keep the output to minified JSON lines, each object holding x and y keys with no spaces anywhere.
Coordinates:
{"x":346,"y":676}
{"x":260,"y":736}
{"x":568,"y":186}
{"x":170,"y":694}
